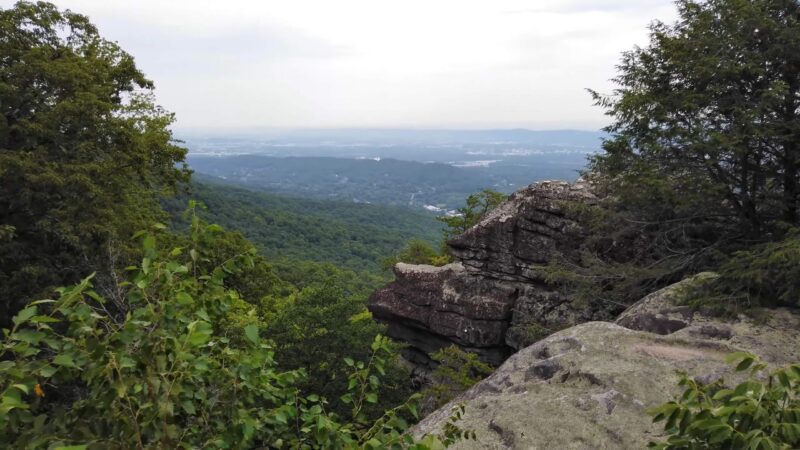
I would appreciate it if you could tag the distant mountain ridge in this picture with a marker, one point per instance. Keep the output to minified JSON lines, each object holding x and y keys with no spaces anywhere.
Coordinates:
{"x":356,"y":136}
{"x":387,"y":181}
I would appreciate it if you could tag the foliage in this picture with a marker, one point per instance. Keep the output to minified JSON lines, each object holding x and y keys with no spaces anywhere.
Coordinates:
{"x":416,"y":251}
{"x":762,"y":412}
{"x":611,"y":260}
{"x":475,"y":208}
{"x":706,"y":117}
{"x":163,"y":375}
{"x":84,"y":152}
{"x":286,"y":230}
{"x":704,"y":154}
{"x":320,"y":325}
{"x":457,"y":371}
{"x":764,"y":275}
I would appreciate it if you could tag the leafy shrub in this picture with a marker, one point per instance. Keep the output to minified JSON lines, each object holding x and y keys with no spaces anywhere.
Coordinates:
{"x":162,"y":374}
{"x":475,"y":208}
{"x":457,"y":371}
{"x":763,"y":412}
{"x":317,"y":328}
{"x":416,"y":251}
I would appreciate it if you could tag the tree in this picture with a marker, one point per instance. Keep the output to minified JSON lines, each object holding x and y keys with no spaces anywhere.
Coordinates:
{"x":416,"y":251}
{"x":707,"y":119}
{"x":475,"y":208}
{"x":84,"y":152}
{"x":320,"y":326}
{"x":457,"y":371}
{"x":169,"y":374}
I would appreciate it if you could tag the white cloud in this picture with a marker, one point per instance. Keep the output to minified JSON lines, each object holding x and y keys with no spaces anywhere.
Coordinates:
{"x":444,"y":63}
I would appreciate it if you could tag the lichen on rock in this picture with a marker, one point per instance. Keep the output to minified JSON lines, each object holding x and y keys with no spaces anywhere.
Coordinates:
{"x":589,"y":386}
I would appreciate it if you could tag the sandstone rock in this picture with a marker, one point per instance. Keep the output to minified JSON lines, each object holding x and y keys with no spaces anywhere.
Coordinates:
{"x":425,"y":307}
{"x":588,"y":386}
{"x":493,"y":300}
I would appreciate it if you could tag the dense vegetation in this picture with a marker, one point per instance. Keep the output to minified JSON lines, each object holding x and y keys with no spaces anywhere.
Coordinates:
{"x":174,"y":338}
{"x":702,"y":171}
{"x":164,"y":369}
{"x":703,"y":158}
{"x":288,"y":229}
{"x":84,"y":153}
{"x":195,"y":339}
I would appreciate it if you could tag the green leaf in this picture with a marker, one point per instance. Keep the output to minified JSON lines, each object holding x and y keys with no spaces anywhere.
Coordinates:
{"x":251,"y":331}
{"x":24,"y":315}
{"x":744,"y":364}
{"x":44,"y":319}
{"x":64,"y":361}
{"x":199,"y":333}
{"x":737,"y":356}
{"x":188,"y":407}
{"x":30,"y":336}
{"x":47,"y":371}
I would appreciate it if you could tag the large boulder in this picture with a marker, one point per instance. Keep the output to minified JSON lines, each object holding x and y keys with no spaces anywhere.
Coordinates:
{"x":495,"y":298}
{"x":588,"y":386}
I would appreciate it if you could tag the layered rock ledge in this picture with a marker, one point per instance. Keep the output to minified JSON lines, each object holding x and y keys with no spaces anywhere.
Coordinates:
{"x":495,"y":298}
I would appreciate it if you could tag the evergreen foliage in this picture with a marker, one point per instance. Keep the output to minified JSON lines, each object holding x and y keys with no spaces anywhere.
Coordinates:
{"x":457,"y":371}
{"x":766,"y":275}
{"x":707,"y":118}
{"x":704,"y":151}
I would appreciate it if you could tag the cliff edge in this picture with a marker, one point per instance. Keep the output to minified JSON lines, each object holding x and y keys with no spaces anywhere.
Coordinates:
{"x":493,"y":300}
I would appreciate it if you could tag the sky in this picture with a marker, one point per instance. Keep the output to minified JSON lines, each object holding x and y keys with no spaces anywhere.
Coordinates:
{"x":375,"y":63}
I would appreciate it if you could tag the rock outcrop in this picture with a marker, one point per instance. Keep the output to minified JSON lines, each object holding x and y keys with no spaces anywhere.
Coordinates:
{"x":588,"y":386}
{"x":494,"y":299}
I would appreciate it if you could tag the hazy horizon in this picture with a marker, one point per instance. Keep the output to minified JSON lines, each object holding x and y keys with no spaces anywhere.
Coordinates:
{"x":311,"y":64}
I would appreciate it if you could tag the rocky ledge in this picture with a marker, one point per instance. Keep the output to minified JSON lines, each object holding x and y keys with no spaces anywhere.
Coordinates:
{"x":493,"y":300}
{"x":589,"y":386}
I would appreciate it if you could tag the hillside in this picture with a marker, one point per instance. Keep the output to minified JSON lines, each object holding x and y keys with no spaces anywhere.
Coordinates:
{"x":354,"y":236}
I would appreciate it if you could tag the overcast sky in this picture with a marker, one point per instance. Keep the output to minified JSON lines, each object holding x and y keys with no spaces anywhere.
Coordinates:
{"x":374,"y":63}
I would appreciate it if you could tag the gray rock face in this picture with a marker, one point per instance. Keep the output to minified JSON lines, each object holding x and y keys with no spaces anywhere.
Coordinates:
{"x":493,"y":299}
{"x":589,"y":386}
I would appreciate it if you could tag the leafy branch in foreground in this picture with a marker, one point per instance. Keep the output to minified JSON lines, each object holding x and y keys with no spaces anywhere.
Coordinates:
{"x":762,"y":412}
{"x":162,"y":375}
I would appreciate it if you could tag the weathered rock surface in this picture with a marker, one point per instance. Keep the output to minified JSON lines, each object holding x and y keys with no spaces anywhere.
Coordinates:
{"x":493,"y":299}
{"x":588,"y":386}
